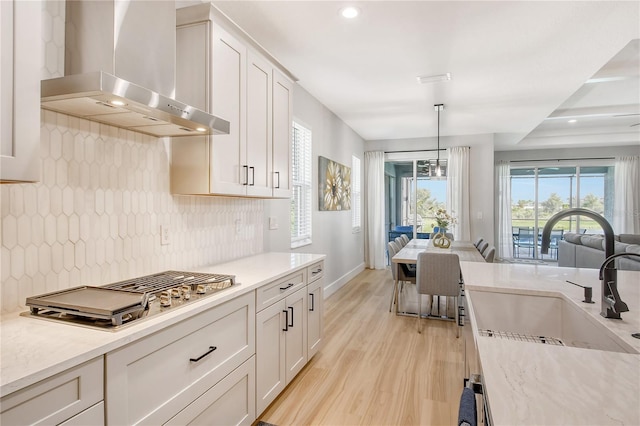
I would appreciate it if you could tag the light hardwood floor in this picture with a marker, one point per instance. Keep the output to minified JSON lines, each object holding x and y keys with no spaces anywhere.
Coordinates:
{"x":374,"y":367}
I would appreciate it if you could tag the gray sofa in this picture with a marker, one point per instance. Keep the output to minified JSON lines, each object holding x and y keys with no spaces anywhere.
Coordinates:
{"x":587,"y":251}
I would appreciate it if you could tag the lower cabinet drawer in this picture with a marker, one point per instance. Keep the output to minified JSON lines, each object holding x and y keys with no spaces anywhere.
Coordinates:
{"x":57,"y":398}
{"x":270,"y":293}
{"x":230,"y":402}
{"x":153,"y":379}
{"x":93,"y":416}
{"x":315,"y":271}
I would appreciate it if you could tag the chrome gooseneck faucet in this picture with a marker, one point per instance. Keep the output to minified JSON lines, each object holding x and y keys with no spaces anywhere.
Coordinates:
{"x":611,"y":304}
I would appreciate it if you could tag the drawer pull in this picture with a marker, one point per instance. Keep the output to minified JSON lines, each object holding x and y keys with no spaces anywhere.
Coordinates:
{"x":278,"y":185}
{"x":291,"y":325}
{"x":211,"y":349}
{"x":253,"y":176}
{"x":313,"y":302}
{"x":286,"y":320}
{"x":287,"y":287}
{"x":246,"y":175}
{"x":317,"y":271}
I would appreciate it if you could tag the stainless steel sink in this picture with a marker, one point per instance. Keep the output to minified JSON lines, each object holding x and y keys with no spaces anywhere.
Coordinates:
{"x":541,"y":319}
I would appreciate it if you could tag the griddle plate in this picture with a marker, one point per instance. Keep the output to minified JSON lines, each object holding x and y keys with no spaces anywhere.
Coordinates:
{"x":86,"y":299}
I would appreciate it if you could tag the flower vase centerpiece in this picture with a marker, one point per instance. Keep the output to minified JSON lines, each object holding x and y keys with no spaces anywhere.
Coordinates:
{"x":443,"y":220}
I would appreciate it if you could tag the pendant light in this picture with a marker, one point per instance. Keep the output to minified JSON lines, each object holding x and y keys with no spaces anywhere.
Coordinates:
{"x":439,"y":171}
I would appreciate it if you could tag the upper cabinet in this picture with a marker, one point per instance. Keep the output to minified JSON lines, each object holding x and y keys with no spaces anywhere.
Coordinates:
{"x":220,"y":71}
{"x":20,"y":46}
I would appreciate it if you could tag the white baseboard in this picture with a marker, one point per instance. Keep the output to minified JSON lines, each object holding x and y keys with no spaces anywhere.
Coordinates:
{"x":340,"y":282}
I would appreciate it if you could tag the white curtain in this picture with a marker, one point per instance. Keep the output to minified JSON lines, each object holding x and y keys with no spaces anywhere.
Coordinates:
{"x":626,"y":206}
{"x":458,"y":191}
{"x":503,"y":207}
{"x":374,"y":236}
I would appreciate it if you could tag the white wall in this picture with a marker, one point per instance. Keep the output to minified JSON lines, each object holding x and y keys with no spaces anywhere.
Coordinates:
{"x":481,"y":172}
{"x":331,"y":230}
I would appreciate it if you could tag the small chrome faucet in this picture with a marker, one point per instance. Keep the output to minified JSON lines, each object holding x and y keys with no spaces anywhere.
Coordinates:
{"x":608,"y":275}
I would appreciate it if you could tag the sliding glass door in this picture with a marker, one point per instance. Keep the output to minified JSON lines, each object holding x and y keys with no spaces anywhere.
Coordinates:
{"x":537,"y":193}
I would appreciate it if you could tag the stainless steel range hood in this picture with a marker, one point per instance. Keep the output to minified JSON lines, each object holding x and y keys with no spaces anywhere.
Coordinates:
{"x":120,"y":70}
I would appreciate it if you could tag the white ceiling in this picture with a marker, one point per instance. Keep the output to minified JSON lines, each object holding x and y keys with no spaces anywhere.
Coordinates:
{"x":513,"y":63}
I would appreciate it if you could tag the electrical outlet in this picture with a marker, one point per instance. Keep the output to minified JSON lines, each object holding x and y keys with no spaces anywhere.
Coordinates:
{"x":273,"y":223}
{"x":165,"y":237}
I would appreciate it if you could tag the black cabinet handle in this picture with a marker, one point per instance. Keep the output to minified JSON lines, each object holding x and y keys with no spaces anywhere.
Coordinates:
{"x":278,"y":174}
{"x":253,"y":176}
{"x":246,"y":175}
{"x":211,"y":349}
{"x":286,"y":320}
{"x":317,"y":271}
{"x":287,"y":287}
{"x":291,"y":309}
{"x":313,"y":302}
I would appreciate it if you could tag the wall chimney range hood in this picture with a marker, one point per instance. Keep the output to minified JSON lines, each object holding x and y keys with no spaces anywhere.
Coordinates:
{"x":120,"y":70}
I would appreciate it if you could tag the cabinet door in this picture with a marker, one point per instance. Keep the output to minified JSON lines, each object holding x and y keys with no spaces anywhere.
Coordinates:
{"x":282,"y":116}
{"x":296,"y":334}
{"x":315,"y":323}
{"x":259,"y":152}
{"x":270,"y":354}
{"x":227,"y":100}
{"x":20,"y":46}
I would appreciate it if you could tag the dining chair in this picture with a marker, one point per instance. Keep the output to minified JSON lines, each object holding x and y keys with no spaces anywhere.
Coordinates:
{"x":400,"y":242}
{"x":438,"y":274}
{"x":403,"y":273}
{"x":525,"y":239}
{"x":483,"y":246}
{"x":489,"y":254}
{"x":405,"y":239}
{"x":478,"y":242}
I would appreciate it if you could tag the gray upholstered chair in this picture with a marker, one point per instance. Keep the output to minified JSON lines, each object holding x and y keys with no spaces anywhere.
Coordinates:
{"x":405,"y":239}
{"x":400,"y":242}
{"x":489,"y":254}
{"x":478,"y":241}
{"x":403,"y":273}
{"x":483,"y":246}
{"x":438,"y":274}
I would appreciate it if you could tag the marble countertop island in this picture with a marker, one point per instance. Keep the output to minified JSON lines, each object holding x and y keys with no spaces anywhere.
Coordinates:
{"x":537,"y":384}
{"x":34,"y":349}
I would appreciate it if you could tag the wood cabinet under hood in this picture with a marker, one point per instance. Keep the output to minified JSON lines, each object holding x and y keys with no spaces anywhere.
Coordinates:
{"x":220,"y":70}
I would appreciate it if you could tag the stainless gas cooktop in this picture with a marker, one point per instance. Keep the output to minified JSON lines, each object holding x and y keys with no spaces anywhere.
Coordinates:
{"x":113,"y":306}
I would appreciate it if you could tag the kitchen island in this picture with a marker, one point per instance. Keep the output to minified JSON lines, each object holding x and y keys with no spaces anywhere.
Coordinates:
{"x":531,"y":383}
{"x":35,"y":350}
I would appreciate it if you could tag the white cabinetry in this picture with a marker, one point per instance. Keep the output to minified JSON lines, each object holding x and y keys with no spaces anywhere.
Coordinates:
{"x":282,"y":122}
{"x":20,"y":46}
{"x":74,"y":396}
{"x":315,"y":321}
{"x":153,"y":379}
{"x":281,"y":344}
{"x":221,"y":72}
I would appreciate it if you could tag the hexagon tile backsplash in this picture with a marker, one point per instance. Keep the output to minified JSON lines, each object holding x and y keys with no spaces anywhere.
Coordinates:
{"x":96,"y":215}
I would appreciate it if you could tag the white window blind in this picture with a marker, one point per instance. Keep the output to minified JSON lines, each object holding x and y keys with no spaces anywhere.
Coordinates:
{"x":301,"y":193}
{"x":356,"y":194}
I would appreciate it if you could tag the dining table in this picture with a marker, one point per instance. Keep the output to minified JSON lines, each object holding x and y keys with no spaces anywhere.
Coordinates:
{"x":465,"y":250}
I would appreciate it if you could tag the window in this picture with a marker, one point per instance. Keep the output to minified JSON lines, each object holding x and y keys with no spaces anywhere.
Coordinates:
{"x":356,"y":194}
{"x":301,"y":193}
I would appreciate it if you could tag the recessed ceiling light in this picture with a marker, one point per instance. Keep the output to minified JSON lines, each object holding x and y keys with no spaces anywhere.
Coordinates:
{"x":349,"y":12}
{"x":425,"y":79}
{"x":117,"y":102}
{"x":573,"y":120}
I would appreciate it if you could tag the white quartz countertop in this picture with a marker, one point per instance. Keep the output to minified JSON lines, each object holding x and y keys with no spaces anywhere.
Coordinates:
{"x":34,"y":349}
{"x":536,"y":384}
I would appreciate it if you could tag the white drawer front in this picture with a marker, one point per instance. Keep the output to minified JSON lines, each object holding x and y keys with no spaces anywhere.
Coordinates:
{"x":315,"y":271}
{"x":231,"y":402}
{"x":270,"y":293}
{"x":151,"y":380}
{"x":93,"y":416}
{"x":57,"y":398}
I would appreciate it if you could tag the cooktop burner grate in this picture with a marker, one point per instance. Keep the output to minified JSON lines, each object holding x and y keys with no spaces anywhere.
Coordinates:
{"x":169,"y":279}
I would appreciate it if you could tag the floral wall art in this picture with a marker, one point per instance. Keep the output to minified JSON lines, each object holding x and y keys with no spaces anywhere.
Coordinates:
{"x":334,"y":184}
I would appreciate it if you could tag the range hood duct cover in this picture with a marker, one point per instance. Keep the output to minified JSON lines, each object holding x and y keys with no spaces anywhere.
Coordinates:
{"x":120,"y":70}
